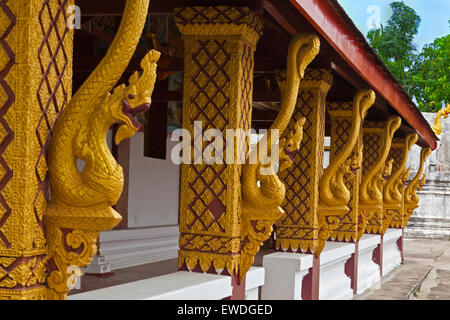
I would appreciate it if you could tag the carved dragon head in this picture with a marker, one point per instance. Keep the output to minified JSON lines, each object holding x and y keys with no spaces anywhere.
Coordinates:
{"x":387,"y":170}
{"x":406,"y":176}
{"x":134,"y":98}
{"x":437,"y":127}
{"x":356,"y":161}
{"x":290,"y":144}
{"x":308,"y":46}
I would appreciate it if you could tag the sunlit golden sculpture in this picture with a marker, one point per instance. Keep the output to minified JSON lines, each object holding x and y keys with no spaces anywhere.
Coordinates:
{"x":371,"y":187}
{"x":415,"y":185}
{"x":261,"y":204}
{"x":437,"y":126}
{"x":82,"y":200}
{"x":334,"y":194}
{"x":394,"y":190}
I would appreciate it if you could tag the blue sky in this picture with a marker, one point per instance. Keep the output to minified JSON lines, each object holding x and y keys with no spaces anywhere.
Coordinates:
{"x":434,"y":13}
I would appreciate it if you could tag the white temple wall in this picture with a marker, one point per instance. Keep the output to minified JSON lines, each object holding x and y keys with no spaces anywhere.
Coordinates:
{"x":432,"y":218}
{"x":154,"y":184}
{"x":153,"y":198}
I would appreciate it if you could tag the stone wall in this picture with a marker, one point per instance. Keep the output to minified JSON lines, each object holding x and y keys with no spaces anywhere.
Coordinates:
{"x":432,"y":218}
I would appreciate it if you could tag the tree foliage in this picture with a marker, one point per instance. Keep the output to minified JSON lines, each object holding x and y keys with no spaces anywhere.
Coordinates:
{"x":394,"y":43}
{"x":430,"y":75}
{"x":424,"y":75}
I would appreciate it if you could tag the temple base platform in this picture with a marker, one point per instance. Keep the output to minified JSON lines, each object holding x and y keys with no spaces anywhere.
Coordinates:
{"x":181,"y":285}
{"x":334,"y":282}
{"x":392,"y":256}
{"x":284,"y":275}
{"x":368,"y":270}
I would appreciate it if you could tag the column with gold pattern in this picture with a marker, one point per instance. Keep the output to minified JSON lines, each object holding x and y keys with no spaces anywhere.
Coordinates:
{"x":297,"y":230}
{"x":377,"y":139}
{"x":415,"y":185}
{"x":394,"y":189}
{"x":219,"y":45}
{"x":35,"y":85}
{"x":341,"y":123}
{"x":339,"y":185}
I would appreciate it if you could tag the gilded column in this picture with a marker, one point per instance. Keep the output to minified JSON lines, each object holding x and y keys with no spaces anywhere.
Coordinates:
{"x":35,"y":78}
{"x":341,"y":123}
{"x":377,"y":139}
{"x":338,"y":187}
{"x":415,"y":185}
{"x":81,"y":200}
{"x":394,"y":189}
{"x":219,"y":45}
{"x":297,"y":230}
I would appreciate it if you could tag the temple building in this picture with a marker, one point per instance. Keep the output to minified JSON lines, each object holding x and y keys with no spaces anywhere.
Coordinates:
{"x":136,"y":151}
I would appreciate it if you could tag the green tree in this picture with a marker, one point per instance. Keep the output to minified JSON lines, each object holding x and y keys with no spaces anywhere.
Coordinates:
{"x":430,"y":75}
{"x":394,"y":42}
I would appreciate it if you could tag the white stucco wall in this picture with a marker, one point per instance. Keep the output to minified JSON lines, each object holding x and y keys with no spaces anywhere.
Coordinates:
{"x":439,"y":160}
{"x":153,"y":195}
{"x":432,"y":218}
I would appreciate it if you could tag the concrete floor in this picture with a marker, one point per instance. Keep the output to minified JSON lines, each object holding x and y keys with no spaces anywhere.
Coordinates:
{"x":424,"y":275}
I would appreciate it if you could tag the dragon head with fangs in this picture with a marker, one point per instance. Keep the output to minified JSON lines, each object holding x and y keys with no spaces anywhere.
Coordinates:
{"x":134,"y":99}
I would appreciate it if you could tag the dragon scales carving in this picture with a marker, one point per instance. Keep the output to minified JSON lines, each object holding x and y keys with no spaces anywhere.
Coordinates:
{"x":261,"y":204}
{"x":81,"y":201}
{"x":371,"y":187}
{"x":334,"y":194}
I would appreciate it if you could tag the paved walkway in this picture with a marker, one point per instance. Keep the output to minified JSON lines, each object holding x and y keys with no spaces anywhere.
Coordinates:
{"x":424,"y":275}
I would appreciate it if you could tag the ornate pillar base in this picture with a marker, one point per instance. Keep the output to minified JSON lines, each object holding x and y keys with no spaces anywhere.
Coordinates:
{"x":392,"y":256}
{"x":285,"y":273}
{"x":335,"y":284}
{"x":368,"y":270}
{"x":298,"y":229}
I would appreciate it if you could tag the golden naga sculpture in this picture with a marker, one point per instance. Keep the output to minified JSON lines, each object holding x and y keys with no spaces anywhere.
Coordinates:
{"x":371,"y":187}
{"x":334,"y":194}
{"x":261,"y":204}
{"x":394,"y":190}
{"x":392,"y":193}
{"x":437,"y":126}
{"x":81,"y":201}
{"x":416,"y":184}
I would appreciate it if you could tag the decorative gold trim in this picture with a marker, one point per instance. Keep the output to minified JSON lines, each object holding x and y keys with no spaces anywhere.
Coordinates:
{"x":220,"y":21}
{"x":39,"y":293}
